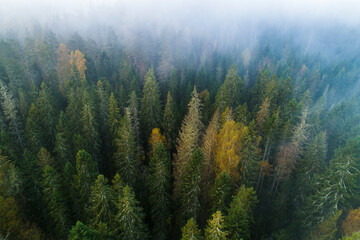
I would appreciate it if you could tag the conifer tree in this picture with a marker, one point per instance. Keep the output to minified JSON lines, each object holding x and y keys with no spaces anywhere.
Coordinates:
{"x":84,"y":179}
{"x":231,"y":92}
{"x":33,"y":129}
{"x":114,"y":115}
{"x":130,"y":217}
{"x":190,"y":231}
{"x":241,"y":214}
{"x":8,"y":105}
{"x":55,"y":200}
{"x":62,"y":147}
{"x":189,"y":139}
{"x":83,"y":232}
{"x":215,"y":229}
{"x":150,"y":104}
{"x":134,"y":115}
{"x":159,"y":189}
{"x":48,"y":116}
{"x":102,"y":197}
{"x":169,"y":121}
{"x":126,"y":156}
{"x":221,"y":193}
{"x":89,"y":128}
{"x":190,"y":189}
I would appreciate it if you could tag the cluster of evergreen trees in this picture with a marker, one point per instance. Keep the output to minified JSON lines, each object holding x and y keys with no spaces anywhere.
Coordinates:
{"x":109,"y":142}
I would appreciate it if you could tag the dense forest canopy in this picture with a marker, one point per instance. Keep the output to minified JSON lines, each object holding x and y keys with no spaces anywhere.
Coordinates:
{"x":153,"y":132}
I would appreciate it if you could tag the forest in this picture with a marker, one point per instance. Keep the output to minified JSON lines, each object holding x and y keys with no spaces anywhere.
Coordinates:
{"x":170,"y":136}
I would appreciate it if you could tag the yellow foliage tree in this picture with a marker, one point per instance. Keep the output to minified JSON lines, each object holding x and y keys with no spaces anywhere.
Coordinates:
{"x":352,"y":222}
{"x":229,"y":145}
{"x":156,"y":137}
{"x":79,"y":60}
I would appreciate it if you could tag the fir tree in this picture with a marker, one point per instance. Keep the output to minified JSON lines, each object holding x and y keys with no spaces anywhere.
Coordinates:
{"x":221,"y":193}
{"x":241,"y":214}
{"x":159,"y":190}
{"x":130,"y":217}
{"x":191,"y":231}
{"x":189,"y":139}
{"x":169,"y":121}
{"x":102,"y":197}
{"x":190,"y":188}
{"x":150,"y":104}
{"x":215,"y":229}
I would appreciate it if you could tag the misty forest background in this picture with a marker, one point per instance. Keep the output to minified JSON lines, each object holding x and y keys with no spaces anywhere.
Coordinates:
{"x":168,"y":135}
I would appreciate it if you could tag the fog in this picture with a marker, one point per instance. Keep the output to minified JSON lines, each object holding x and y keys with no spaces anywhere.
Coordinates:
{"x":187,"y":14}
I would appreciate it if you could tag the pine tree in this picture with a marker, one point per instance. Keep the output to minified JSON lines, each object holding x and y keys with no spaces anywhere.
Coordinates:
{"x":89,"y":128}
{"x":191,"y":231}
{"x":134,"y":115}
{"x":55,"y":200}
{"x":84,"y":179}
{"x":231,"y":92}
{"x":130,"y":217}
{"x":114,"y":116}
{"x":221,"y":193}
{"x":159,"y":189}
{"x":208,"y":148}
{"x":83,"y":232}
{"x":215,"y":229}
{"x":241,"y":214}
{"x":8,"y":105}
{"x":189,"y":139}
{"x":190,"y":189}
{"x":63,"y":66}
{"x":62,"y":147}
{"x":101,"y":201}
{"x":150,"y":104}
{"x":169,"y":121}
{"x":126,"y":156}
{"x":48,"y":116}
{"x":33,"y":129}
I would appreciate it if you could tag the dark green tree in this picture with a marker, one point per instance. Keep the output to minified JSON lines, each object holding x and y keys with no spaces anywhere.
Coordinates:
{"x":159,"y":190}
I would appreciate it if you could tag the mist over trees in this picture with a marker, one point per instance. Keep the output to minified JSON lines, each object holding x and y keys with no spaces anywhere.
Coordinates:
{"x":142,"y":131}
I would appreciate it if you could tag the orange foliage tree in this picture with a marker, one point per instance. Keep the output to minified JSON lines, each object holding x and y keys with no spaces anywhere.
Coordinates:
{"x":79,"y":60}
{"x":229,"y":145}
{"x":352,"y":222}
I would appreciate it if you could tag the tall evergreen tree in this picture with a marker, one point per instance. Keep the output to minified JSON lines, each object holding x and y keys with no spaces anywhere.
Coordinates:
{"x":231,"y":92}
{"x":190,"y":189}
{"x":150,"y":104}
{"x":130,"y":217}
{"x":241,"y":214}
{"x":191,"y":231}
{"x":159,"y":190}
{"x":215,"y":229}
{"x":221,"y":193}
{"x":101,"y":200}
{"x":126,"y":156}
{"x":169,"y":121}
{"x":189,"y":139}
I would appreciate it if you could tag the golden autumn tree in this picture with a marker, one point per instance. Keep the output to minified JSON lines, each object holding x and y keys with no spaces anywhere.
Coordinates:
{"x":263,"y":113}
{"x":63,"y":66}
{"x":156,"y":137}
{"x":352,"y":222}
{"x":229,"y":145}
{"x":78,"y":59}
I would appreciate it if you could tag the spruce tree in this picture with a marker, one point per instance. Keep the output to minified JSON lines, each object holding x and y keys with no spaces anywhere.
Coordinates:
{"x":190,"y":189}
{"x":221,"y":193}
{"x":169,"y":121}
{"x":189,"y":139}
{"x":159,"y":190}
{"x":240,"y":214}
{"x":215,"y":229}
{"x":150,"y":104}
{"x":231,"y":92}
{"x":101,"y":200}
{"x":126,"y":156}
{"x":130,"y":217}
{"x":191,"y":231}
